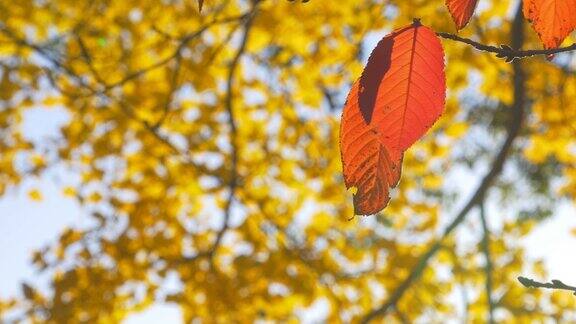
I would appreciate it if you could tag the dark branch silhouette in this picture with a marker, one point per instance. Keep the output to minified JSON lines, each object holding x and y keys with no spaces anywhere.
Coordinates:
{"x":488,"y":266}
{"x":103,"y":87}
{"x":554,"y":284}
{"x":505,"y":51}
{"x":233,"y":129}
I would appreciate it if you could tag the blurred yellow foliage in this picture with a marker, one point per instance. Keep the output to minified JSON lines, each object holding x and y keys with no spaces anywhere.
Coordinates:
{"x":35,"y":195}
{"x":213,"y":141}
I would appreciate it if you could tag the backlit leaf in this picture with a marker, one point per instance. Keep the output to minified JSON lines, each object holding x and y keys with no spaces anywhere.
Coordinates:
{"x":553,"y":20}
{"x":400,"y":94}
{"x":367,"y":164}
{"x":461,"y":11}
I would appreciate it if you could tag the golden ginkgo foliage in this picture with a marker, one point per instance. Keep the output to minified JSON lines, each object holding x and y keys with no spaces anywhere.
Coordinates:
{"x":205,"y":148}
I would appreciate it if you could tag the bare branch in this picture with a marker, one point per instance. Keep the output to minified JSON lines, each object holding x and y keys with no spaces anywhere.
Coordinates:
{"x":488,"y":267}
{"x":171,"y":91}
{"x":104,"y":87}
{"x":463,"y":291}
{"x":505,"y":51}
{"x":233,"y":128}
{"x":45,"y":53}
{"x":555,"y":284}
{"x":181,"y":46}
{"x":329,"y":96}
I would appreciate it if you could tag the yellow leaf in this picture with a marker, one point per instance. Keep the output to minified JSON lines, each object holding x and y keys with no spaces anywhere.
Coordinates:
{"x":35,"y":195}
{"x":69,"y":192}
{"x":95,"y":197}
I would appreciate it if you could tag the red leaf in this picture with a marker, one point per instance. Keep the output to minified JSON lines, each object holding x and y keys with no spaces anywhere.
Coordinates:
{"x":553,"y":20}
{"x":366,"y":161}
{"x":399,"y":96}
{"x":461,"y":11}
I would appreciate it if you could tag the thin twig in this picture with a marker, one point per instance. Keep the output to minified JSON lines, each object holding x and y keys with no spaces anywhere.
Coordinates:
{"x":457,"y":269}
{"x":554,"y":284}
{"x":514,"y":126}
{"x":181,"y":46}
{"x":488,"y":267}
{"x":229,"y":104}
{"x":505,"y":51}
{"x":43,"y":52}
{"x":106,"y":87}
{"x":171,"y":91}
{"x":329,"y":96}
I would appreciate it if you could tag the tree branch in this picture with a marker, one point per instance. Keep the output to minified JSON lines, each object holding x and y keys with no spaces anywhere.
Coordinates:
{"x":505,"y":51}
{"x":181,"y":46}
{"x":329,"y":96}
{"x":229,"y":104}
{"x":102,"y":88}
{"x":514,"y":126}
{"x":463,"y":292}
{"x":106,"y":87}
{"x":555,"y":284}
{"x":488,"y":267}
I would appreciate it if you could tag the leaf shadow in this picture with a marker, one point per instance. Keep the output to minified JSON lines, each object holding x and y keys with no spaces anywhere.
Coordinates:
{"x":377,"y":66}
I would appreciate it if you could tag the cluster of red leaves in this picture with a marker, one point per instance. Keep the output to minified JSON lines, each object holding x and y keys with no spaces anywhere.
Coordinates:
{"x":401,"y":93}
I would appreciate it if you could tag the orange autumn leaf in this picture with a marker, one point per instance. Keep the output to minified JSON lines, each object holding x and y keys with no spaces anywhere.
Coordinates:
{"x":553,"y":20}
{"x":400,"y":94}
{"x":461,"y":11}
{"x":366,"y":161}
